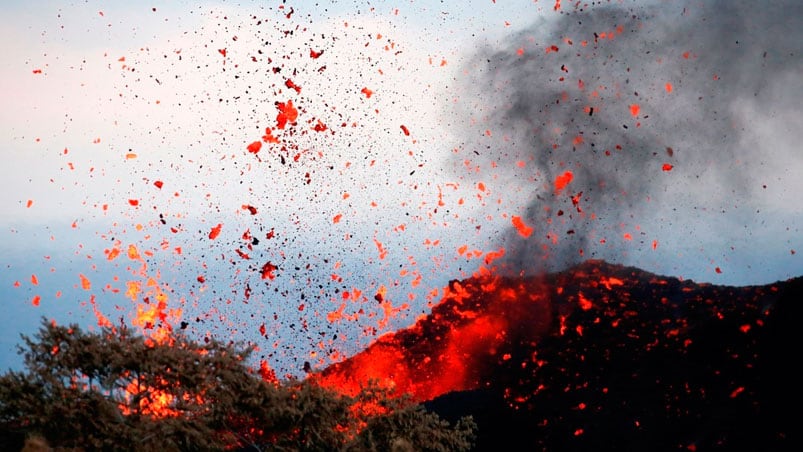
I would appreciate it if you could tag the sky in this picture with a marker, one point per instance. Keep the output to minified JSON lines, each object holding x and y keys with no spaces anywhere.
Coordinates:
{"x":305,"y":177}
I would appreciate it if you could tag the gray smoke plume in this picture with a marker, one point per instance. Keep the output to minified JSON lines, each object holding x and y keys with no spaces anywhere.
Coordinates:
{"x":643,"y":104}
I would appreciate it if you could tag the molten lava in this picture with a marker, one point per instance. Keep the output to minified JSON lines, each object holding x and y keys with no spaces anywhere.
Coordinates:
{"x":491,"y":322}
{"x":455,"y":347}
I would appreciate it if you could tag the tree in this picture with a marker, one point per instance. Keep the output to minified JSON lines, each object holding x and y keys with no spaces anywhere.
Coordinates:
{"x":119,"y":390}
{"x":397,"y":424}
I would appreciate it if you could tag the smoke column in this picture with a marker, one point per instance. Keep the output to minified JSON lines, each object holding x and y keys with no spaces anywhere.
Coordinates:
{"x":608,"y":120}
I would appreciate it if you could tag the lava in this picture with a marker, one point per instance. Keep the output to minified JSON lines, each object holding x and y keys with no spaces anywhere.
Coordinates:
{"x":483,"y":321}
{"x":451,"y":349}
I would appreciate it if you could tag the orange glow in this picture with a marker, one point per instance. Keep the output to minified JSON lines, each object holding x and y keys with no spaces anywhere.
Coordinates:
{"x":562,"y":180}
{"x":523,"y":230}
{"x":383,"y":253}
{"x":287,"y":114}
{"x":585,"y":303}
{"x":267,"y":373}
{"x":255,"y":147}
{"x":610,"y":282}
{"x":153,"y":401}
{"x":291,"y":85}
{"x":492,"y":256}
{"x":425,"y":370}
{"x":215,"y":231}
{"x":319,"y":127}
{"x":735,"y":393}
{"x":85,"y":284}
{"x":268,"y":137}
{"x":133,"y":253}
{"x":268,"y":271}
{"x":133,"y":290}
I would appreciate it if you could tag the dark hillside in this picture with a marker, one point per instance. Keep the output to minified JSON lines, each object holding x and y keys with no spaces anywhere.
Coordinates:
{"x":600,"y":357}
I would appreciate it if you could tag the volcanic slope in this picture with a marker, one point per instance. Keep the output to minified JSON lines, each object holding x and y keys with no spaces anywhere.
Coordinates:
{"x":601,"y":357}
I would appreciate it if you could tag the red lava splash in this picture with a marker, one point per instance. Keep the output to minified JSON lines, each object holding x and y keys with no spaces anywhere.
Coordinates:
{"x":215,"y":232}
{"x":522,"y":228}
{"x":287,"y":114}
{"x":454,"y":347}
{"x":562,"y":180}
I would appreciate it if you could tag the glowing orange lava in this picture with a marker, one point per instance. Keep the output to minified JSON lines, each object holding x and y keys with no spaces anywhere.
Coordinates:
{"x":466,"y":343}
{"x":521,"y":227}
{"x":562,"y":180}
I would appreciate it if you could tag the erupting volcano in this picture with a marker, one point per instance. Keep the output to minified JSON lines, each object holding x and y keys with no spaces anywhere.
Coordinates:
{"x":598,"y":357}
{"x":578,"y":222}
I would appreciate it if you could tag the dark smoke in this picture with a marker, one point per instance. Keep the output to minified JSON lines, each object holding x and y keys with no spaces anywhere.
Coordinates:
{"x":718,"y":57}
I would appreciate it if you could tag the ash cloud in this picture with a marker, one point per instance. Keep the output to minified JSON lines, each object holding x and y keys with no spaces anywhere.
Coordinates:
{"x":561,"y":96}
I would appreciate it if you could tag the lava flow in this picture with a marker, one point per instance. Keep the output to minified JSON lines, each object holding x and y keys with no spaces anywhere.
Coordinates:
{"x":596,"y":355}
{"x":456,"y":346}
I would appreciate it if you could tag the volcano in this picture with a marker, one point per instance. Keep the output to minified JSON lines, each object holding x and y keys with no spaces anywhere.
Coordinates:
{"x":597,"y":357}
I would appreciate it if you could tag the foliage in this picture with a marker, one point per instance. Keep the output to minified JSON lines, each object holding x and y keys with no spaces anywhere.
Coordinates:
{"x":116,"y":390}
{"x":406,"y":426}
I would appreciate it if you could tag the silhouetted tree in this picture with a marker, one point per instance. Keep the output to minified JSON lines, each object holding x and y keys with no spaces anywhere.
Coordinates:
{"x":117,"y":390}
